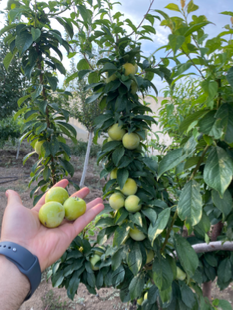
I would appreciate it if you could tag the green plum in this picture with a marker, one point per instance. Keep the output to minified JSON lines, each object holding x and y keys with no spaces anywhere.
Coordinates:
{"x":58,"y":194}
{"x":74,"y":208}
{"x":51,"y":214}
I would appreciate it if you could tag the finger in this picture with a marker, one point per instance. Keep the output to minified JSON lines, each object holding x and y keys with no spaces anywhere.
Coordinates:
{"x":82,"y":193}
{"x":93,"y":203}
{"x":75,"y":228}
{"x":13,"y":198}
{"x":63,"y":183}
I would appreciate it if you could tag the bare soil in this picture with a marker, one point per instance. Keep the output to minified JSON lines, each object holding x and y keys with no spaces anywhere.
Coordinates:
{"x":13,"y":175}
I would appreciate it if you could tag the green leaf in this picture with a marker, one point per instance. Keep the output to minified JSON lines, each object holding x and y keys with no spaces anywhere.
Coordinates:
{"x":187,"y":295}
{"x":93,"y":97}
{"x":8,"y":27}
{"x":210,"y":126}
{"x":171,"y":160}
{"x":162,"y":273}
{"x":118,"y":276}
{"x":35,"y":33}
{"x":37,"y":92}
{"x":149,"y":29}
{"x":221,"y":303}
{"x":52,"y":82}
{"x":160,"y":224}
{"x":195,"y":27}
{"x":210,"y":88}
{"x":192,"y":7}
{"x":93,"y":78}
{"x":83,"y":65}
{"x":188,"y":258}
{"x":69,"y":127}
{"x":122,"y":176}
{"x":229,"y":76}
{"x":218,"y":170}
{"x":172,"y":7}
{"x":73,"y":285}
{"x":121,"y":234}
{"x":136,"y":286}
{"x":223,"y":271}
{"x":224,"y":114}
{"x":67,"y":166}
{"x":190,"y":203}
{"x":150,"y":214}
{"x":118,"y":154}
{"x":191,"y":118}
{"x":176,"y":42}
{"x":8,"y":58}
{"x":68,"y":26}
{"x":46,"y":173}
{"x":224,"y":204}
{"x":23,"y":41}
{"x":22,"y":99}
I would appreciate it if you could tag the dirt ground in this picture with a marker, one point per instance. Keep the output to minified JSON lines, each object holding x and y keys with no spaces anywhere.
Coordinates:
{"x":13,"y":175}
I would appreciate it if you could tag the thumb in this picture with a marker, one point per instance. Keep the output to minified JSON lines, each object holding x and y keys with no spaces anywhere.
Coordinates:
{"x":13,"y":198}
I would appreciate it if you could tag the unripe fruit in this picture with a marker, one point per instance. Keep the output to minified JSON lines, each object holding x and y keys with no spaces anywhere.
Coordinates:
{"x":93,"y":260}
{"x":136,"y":234}
{"x":134,"y":88}
{"x":116,"y":201}
{"x":145,"y":295}
{"x":58,"y":194}
{"x":132,"y":203}
{"x":180,"y":275}
{"x":113,"y":174}
{"x":131,"y":141}
{"x":116,"y":132}
{"x":111,"y":78}
{"x":51,"y":214}
{"x":74,"y":208}
{"x":140,"y":301}
{"x":150,"y":256}
{"x":38,"y":146}
{"x":129,"y":68}
{"x":130,"y":187}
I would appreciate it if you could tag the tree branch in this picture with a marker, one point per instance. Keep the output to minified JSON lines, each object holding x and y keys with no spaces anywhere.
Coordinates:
{"x":213,"y":246}
{"x":142,"y":19}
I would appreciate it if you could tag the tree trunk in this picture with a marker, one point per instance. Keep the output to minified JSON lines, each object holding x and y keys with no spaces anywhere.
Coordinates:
{"x":17,"y":155}
{"x":215,"y":233}
{"x":86,"y":159}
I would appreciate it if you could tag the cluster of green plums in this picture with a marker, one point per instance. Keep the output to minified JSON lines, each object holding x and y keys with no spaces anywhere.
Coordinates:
{"x":58,"y":205}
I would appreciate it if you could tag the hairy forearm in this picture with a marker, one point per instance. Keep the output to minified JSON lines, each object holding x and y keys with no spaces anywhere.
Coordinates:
{"x":14,"y":286}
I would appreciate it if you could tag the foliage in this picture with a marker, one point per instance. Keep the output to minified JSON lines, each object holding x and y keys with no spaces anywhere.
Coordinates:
{"x":190,"y":187}
{"x":200,"y":184}
{"x":9,"y":130}
{"x":80,"y":148}
{"x":12,"y":81}
{"x":33,"y":41}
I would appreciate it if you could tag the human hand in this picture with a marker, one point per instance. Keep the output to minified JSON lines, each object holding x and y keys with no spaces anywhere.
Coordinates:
{"x":22,"y":226}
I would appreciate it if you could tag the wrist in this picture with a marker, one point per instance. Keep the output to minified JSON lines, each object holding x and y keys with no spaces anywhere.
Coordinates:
{"x":12,"y":281}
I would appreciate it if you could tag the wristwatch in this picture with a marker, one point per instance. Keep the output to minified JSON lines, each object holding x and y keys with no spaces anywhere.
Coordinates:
{"x":27,"y":263}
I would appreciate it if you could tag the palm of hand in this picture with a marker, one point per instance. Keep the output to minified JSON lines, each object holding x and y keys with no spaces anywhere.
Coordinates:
{"x":22,"y":226}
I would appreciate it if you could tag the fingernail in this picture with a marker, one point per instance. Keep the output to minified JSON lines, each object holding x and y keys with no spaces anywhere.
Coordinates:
{"x":6,"y":193}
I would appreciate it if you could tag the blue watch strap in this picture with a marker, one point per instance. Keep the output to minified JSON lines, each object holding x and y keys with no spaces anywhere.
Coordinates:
{"x":27,"y":263}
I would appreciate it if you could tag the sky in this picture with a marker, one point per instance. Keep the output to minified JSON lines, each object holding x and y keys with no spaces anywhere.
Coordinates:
{"x":135,"y":10}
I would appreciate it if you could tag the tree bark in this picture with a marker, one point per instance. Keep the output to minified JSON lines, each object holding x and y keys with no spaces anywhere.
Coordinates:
{"x":86,"y":160}
{"x":215,"y":233}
